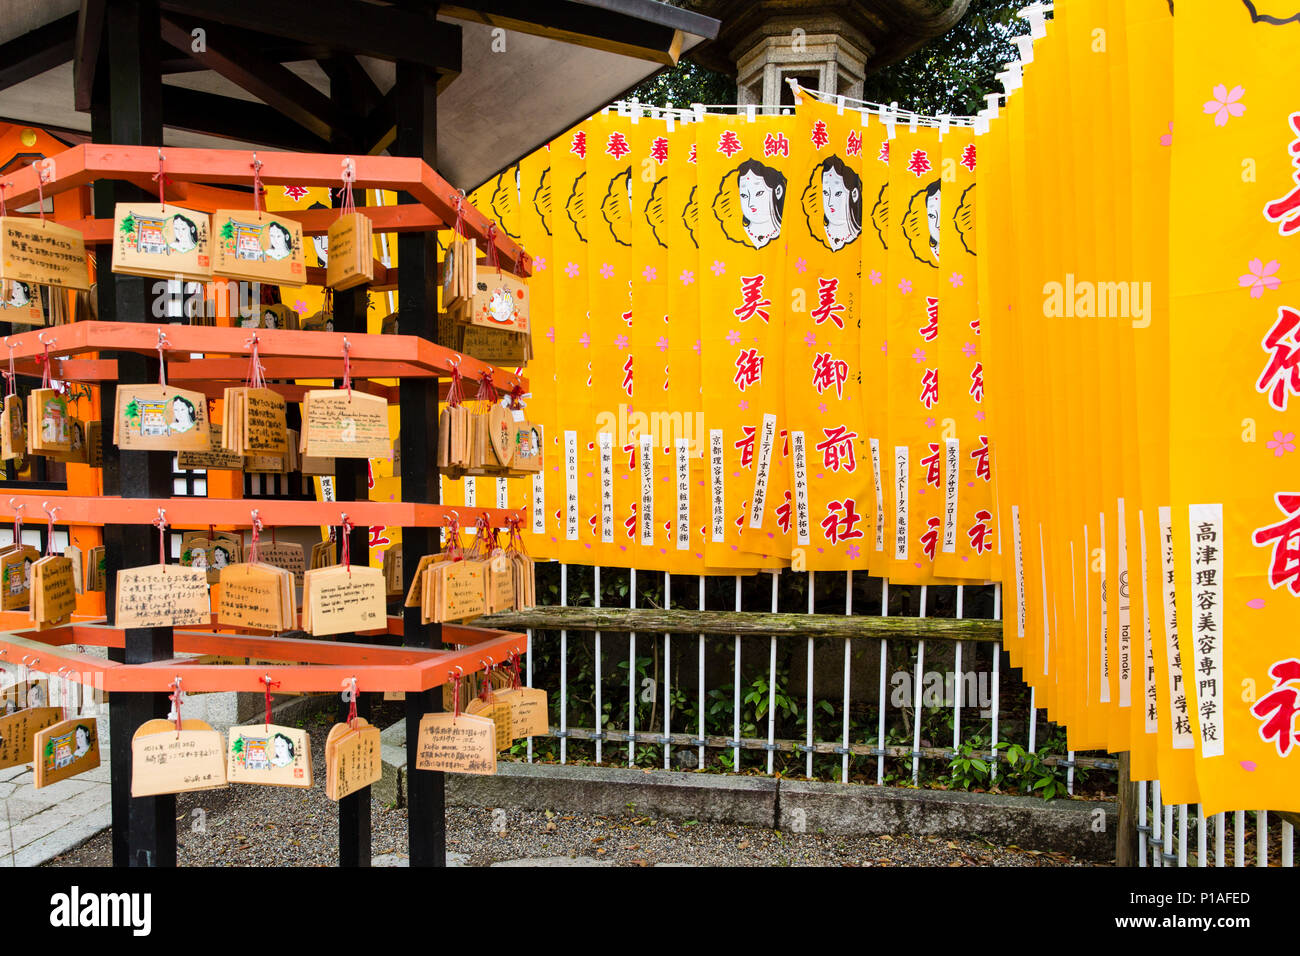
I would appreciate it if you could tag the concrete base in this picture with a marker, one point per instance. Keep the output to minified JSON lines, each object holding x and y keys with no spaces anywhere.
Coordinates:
{"x":1083,"y":829}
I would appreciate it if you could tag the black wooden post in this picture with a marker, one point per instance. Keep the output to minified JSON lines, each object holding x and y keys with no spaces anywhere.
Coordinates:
{"x":417,"y":258}
{"x":351,"y":484}
{"x":129,"y":111}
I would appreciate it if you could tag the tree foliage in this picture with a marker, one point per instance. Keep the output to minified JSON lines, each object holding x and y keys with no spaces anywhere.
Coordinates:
{"x":951,"y":74}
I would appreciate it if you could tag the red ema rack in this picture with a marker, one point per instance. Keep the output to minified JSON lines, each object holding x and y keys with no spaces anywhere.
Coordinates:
{"x":300,"y":664}
{"x":437,"y":204}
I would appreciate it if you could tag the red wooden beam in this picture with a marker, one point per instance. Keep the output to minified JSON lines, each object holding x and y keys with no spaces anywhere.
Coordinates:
{"x":238,"y":511}
{"x":395,"y":352}
{"x":83,"y":164}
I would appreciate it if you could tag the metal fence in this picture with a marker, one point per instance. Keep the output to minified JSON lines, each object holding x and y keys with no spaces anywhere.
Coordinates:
{"x":1164,"y":832}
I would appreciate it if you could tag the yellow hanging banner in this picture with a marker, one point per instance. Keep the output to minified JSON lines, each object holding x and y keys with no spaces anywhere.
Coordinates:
{"x":1234,"y":356}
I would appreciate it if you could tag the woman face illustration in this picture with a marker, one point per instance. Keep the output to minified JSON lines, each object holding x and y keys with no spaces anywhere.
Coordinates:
{"x":835,"y":200}
{"x":757,"y":201}
{"x":283,"y":753}
{"x":219,"y":558}
{"x":182,"y":232}
{"x":279,"y":240}
{"x":19,"y":295}
{"x":83,"y":741}
{"x":322,"y":244}
{"x":268,"y":319}
{"x":932,"y":214}
{"x":182,"y":415}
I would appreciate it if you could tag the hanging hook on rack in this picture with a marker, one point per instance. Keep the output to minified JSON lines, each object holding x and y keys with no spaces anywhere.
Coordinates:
{"x":175,"y":698}
{"x":160,"y":523}
{"x":49,"y":532}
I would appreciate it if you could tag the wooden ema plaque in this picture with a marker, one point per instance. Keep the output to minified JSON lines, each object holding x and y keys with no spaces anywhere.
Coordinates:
{"x":500,"y":302}
{"x":13,"y":428}
{"x":254,"y":422}
{"x":161,"y":418}
{"x":211,"y":554}
{"x":165,"y":760}
{"x":18,"y":733}
{"x":215,"y":458}
{"x":464,"y":743}
{"x":286,"y":555}
{"x":53,"y":595}
{"x":343,"y":599}
{"x":339,"y":424}
{"x":20,"y":303}
{"x":500,"y":715}
{"x":64,"y":750}
{"x":257,"y":596}
{"x":257,"y":247}
{"x":49,"y":422}
{"x":39,"y":252}
{"x":350,"y":261}
{"x":16,"y":576}
{"x":351,"y":758}
{"x":165,"y":241}
{"x":162,"y":595}
{"x":528,"y":713}
{"x":269,"y":755}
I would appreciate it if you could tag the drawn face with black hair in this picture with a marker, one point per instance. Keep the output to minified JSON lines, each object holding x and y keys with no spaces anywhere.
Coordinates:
{"x":280,"y":242}
{"x":185,"y":234}
{"x":932,"y":210}
{"x":762,"y":200}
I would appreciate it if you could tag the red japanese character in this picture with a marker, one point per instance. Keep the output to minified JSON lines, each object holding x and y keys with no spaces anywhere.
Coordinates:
{"x":853,"y":146}
{"x":729,"y":144}
{"x":377,"y":536}
{"x":631,"y":449}
{"x":883,"y":155}
{"x":1279,"y":706}
{"x":819,"y":135}
{"x":829,"y":371}
{"x":1286,"y":548}
{"x":919,"y":164}
{"x":691,"y":156}
{"x":774,"y":143}
{"x":930,"y":387}
{"x":617,"y":145}
{"x":579,"y":144}
{"x":295,"y":192}
{"x":751,"y":287}
{"x":981,"y":456}
{"x":930,"y":331}
{"x":839,"y":527}
{"x":1286,"y":211}
{"x":627,"y":376}
{"x":746,"y":445}
{"x":630,"y":522}
{"x":930,"y":538}
{"x":837,"y":448}
{"x":783,"y":514}
{"x":749,"y":369}
{"x":977,"y":382}
{"x":968,"y":157}
{"x":1281,"y":376}
{"x":827,"y":307}
{"x":931,"y":463}
{"x":659,"y":149}
{"x":980,"y":533}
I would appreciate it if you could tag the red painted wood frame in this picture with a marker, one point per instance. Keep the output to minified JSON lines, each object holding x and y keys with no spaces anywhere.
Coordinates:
{"x":313,"y":665}
{"x":285,"y":353}
{"x":82,"y":165}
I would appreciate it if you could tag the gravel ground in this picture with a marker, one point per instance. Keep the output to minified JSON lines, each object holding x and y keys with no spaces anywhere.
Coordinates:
{"x":277,"y":826}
